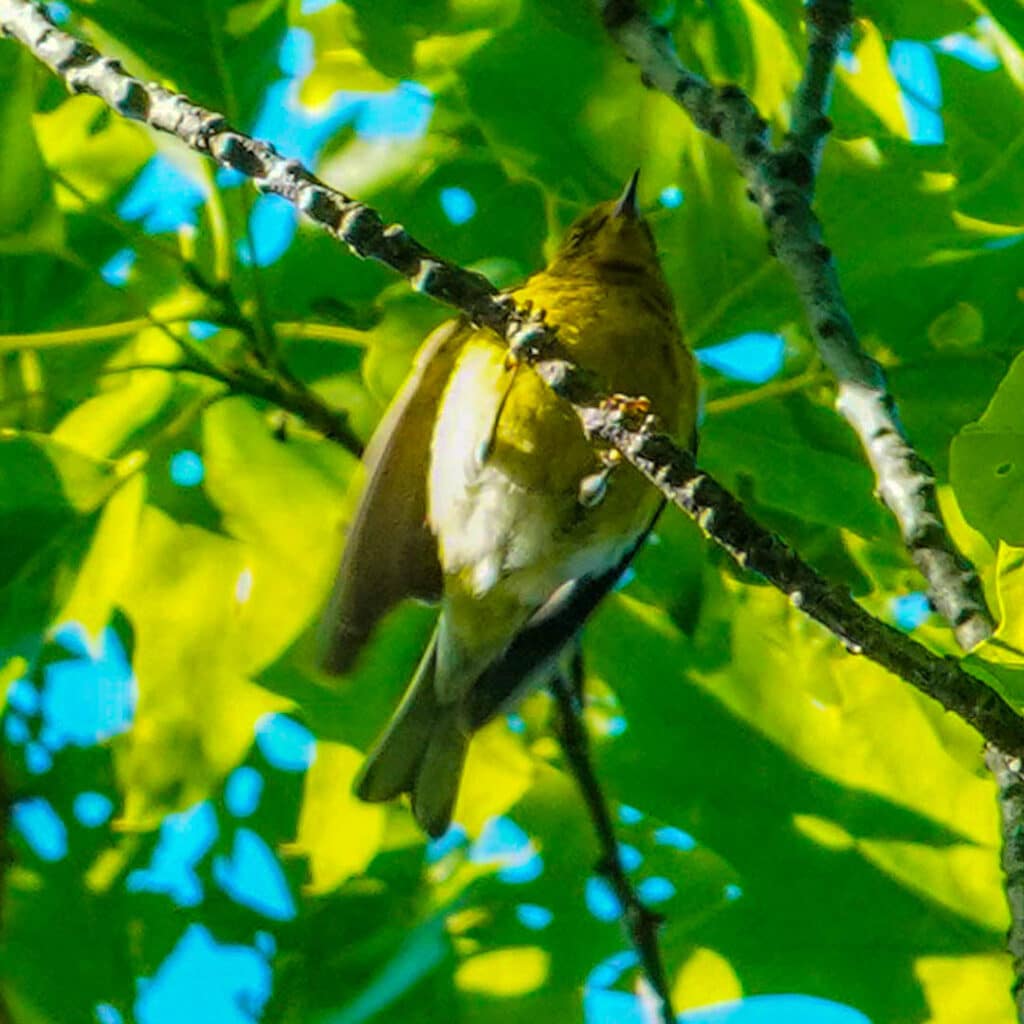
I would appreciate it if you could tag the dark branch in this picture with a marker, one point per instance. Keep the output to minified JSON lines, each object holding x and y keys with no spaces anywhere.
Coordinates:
{"x":640,"y":922}
{"x":1009,"y":776}
{"x":781,"y":182}
{"x":673,"y":471}
{"x":828,"y":24}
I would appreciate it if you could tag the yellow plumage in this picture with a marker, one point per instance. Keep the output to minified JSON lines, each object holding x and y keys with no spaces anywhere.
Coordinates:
{"x":502,"y":486}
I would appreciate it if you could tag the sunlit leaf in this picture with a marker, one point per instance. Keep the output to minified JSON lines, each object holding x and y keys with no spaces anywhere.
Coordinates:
{"x":48,"y":502}
{"x":987,"y":463}
{"x":28,"y":214}
{"x":338,"y":834}
{"x":221,"y":52}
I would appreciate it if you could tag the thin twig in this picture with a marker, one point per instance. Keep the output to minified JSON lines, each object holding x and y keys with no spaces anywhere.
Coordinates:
{"x":667,"y":465}
{"x":96,"y":334}
{"x":776,"y":389}
{"x":640,"y":922}
{"x":1009,"y":776}
{"x":781,"y":182}
{"x":828,"y":25}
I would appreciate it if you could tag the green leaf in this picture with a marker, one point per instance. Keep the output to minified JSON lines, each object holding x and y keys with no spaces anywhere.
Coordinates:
{"x":918,"y":21}
{"x":1009,"y":16}
{"x":787,"y":455}
{"x":780,"y":758}
{"x":48,"y":515}
{"x":194,"y":634}
{"x":982,"y":112}
{"x":221,"y":52}
{"x":29,"y":220}
{"x":959,"y":385}
{"x":868,"y":97}
{"x":337,"y":833}
{"x":987,"y":464}
{"x":283,"y":501}
{"x":84,"y":143}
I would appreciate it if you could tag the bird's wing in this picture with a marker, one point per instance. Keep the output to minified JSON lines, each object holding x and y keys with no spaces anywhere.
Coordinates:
{"x":536,"y":647}
{"x":390,"y":553}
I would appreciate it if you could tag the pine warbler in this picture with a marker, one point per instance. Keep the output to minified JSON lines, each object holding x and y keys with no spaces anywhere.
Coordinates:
{"x":483,"y":493}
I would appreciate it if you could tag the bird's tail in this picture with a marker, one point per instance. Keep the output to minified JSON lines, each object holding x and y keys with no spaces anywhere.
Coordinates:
{"x":421,"y":752}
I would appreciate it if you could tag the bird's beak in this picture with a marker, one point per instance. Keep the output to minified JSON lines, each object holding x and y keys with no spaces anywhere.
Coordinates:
{"x":626,"y":206}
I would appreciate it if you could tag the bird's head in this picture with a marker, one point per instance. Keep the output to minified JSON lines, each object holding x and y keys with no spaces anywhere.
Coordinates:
{"x":611,"y":240}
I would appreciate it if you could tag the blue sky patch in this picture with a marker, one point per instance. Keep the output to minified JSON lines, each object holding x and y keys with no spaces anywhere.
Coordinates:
{"x":504,"y":842}
{"x":184,"y":840}
{"x":755,"y":357}
{"x":285,"y":743}
{"x":91,"y":698}
{"x":116,"y":270}
{"x":243,"y":790}
{"x":911,"y":610}
{"x":162,"y":197}
{"x":671,"y":197}
{"x":252,"y":876}
{"x":914,"y":66}
{"x":186,"y":468}
{"x":41,"y":827}
{"x":534,"y":917}
{"x":204,"y":982}
{"x":458,"y":205}
{"x":601,"y":899}
{"x":93,"y":809}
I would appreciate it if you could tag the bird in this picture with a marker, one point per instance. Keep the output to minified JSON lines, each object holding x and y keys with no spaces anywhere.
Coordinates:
{"x":483,"y":494}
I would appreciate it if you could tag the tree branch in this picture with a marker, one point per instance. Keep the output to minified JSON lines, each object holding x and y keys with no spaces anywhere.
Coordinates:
{"x":781,"y":182}
{"x":640,"y":922}
{"x":1009,"y":777}
{"x":828,"y":25}
{"x":673,"y":471}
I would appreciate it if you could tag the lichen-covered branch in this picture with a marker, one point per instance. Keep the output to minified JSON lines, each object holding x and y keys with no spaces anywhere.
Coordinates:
{"x":781,"y":182}
{"x":668,"y":466}
{"x":1009,"y":776}
{"x":639,"y":921}
{"x":626,"y":426}
{"x":828,"y":24}
{"x":84,"y":69}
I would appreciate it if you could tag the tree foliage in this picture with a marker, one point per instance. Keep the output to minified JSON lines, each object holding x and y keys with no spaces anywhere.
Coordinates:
{"x":817,"y":825}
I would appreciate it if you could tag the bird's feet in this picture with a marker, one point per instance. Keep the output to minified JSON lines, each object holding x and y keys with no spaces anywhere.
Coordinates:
{"x":628,"y":407}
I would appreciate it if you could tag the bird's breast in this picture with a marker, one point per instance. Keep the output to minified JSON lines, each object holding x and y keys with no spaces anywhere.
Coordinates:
{"x":516,"y":515}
